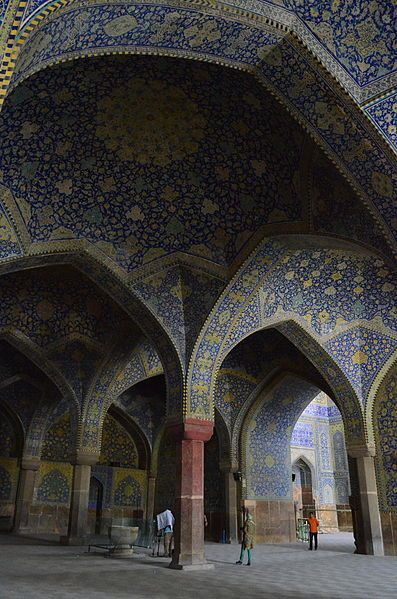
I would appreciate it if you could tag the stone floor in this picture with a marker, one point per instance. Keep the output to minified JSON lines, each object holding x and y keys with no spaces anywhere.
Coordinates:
{"x":34,"y":568}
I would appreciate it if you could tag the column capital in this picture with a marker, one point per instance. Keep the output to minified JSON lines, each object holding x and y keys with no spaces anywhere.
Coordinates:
{"x":30,"y":462}
{"x":85,"y":457}
{"x":192,"y":429}
{"x":360,"y":450}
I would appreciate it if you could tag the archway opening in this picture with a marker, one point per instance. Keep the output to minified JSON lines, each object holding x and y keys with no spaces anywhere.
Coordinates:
{"x":264,"y":385}
{"x":320,"y":472}
{"x":303,"y":488}
{"x":10,"y":452}
{"x":95,"y":502}
{"x":214,"y":492}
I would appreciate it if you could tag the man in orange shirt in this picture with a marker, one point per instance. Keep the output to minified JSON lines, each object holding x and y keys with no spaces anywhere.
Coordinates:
{"x":313,"y":530}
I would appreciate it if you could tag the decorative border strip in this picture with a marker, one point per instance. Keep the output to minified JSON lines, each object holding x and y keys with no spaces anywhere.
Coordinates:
{"x":9,"y":56}
{"x":360,"y":94}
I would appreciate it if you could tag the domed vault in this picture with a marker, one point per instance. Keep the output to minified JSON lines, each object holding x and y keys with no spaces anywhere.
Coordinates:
{"x":146,"y":156}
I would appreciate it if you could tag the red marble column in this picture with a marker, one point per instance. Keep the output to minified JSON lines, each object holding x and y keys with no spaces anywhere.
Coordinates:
{"x":189,"y":509}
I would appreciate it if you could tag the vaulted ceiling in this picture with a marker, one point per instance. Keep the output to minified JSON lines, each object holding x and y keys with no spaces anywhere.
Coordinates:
{"x":146,"y":156}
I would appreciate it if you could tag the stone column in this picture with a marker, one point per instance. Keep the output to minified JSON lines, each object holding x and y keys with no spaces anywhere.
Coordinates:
{"x":27,"y":477}
{"x":365,"y":502}
{"x":231,"y":504}
{"x":78,"y":513}
{"x":189,"y":525}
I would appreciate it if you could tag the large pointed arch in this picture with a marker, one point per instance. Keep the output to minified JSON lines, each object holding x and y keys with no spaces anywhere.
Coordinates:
{"x":240,"y":311}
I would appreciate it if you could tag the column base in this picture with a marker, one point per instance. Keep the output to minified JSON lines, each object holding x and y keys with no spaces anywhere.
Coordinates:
{"x":74,"y":541}
{"x":191,"y":567}
{"x":122,"y":553}
{"x":23,"y":530}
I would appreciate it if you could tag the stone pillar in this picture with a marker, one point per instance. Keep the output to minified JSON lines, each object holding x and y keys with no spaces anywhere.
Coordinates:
{"x":364,"y":503}
{"x":27,"y":477}
{"x":231,"y":504}
{"x":189,"y":525}
{"x":78,"y":513}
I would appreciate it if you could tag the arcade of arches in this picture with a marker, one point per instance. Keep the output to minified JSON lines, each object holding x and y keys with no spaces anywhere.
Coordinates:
{"x":197,"y":281}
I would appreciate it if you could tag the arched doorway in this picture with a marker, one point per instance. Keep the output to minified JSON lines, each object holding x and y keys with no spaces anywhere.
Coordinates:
{"x":303,"y":488}
{"x":95,"y":504}
{"x":214,"y":492}
{"x":11,"y":438}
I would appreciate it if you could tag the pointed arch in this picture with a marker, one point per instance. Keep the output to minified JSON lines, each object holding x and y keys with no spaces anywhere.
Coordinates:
{"x":249,"y":304}
{"x":303,"y":458}
{"x":137,"y":434}
{"x":320,"y":105}
{"x":31,"y":351}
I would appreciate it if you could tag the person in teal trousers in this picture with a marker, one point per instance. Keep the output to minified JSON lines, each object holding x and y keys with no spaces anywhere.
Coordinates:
{"x":248,"y":539}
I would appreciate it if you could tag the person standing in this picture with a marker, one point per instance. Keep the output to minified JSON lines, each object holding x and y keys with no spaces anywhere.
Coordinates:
{"x":248,"y":539}
{"x":313,"y":531}
{"x":165,"y":523}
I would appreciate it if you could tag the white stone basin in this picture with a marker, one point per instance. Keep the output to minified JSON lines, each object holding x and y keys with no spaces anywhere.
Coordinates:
{"x":123,"y":537}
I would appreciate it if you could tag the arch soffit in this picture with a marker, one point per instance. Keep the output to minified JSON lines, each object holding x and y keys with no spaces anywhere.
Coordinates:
{"x":137,"y":434}
{"x":384,"y":472}
{"x":258,"y":400}
{"x":113,"y":282}
{"x":327,"y":118}
{"x":271,"y":379}
{"x":131,"y":384}
{"x":31,"y":351}
{"x":101,"y":394}
{"x":279,"y":17}
{"x":375,"y":395}
{"x":225,"y":445}
{"x":146,"y":371}
{"x":104,"y":390}
{"x":16,"y":378}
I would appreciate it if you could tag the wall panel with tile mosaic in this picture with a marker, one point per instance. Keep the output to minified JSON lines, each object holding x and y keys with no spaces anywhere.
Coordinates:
{"x":54,"y":483}
{"x":9,"y":471}
{"x":118,"y":447}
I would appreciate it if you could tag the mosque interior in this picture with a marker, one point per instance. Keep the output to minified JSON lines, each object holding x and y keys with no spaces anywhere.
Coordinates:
{"x":198,"y":230}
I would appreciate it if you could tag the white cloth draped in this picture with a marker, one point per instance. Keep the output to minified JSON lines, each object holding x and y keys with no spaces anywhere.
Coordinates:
{"x":165,"y":519}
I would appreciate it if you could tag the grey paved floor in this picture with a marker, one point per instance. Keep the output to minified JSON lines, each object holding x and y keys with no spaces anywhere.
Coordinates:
{"x":40,"y":569}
